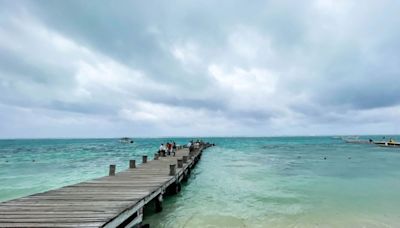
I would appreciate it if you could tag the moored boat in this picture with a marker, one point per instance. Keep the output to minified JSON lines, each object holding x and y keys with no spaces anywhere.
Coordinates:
{"x":388,"y":143}
{"x":356,"y":139}
{"x":126,"y":140}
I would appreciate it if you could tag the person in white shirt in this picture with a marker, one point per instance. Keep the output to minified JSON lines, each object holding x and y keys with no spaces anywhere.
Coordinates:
{"x":161,"y":150}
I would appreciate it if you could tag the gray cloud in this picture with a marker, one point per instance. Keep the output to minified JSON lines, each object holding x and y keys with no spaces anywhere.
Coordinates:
{"x":199,"y":68}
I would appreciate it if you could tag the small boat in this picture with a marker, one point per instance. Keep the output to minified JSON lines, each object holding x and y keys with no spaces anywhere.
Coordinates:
{"x":387,"y":143}
{"x":355,"y":139}
{"x":125,"y":140}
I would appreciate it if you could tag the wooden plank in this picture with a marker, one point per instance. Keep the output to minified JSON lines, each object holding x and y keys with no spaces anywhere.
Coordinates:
{"x":52,"y":224}
{"x":106,"y":201}
{"x":55,"y":220}
{"x":59,"y":215}
{"x":66,"y":208}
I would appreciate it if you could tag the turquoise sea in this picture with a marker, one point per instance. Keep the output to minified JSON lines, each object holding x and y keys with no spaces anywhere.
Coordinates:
{"x":242,"y":182}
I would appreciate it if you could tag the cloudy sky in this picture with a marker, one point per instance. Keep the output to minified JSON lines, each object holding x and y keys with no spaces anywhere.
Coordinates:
{"x":198,"y":68}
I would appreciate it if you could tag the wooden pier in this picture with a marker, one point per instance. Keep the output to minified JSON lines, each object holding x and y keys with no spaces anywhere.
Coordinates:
{"x":116,"y":200}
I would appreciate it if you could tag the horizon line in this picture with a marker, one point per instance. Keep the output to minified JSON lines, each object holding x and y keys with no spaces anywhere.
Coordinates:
{"x":199,"y":137}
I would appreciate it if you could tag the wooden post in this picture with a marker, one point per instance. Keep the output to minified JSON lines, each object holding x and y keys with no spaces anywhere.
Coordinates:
{"x":180,"y":163}
{"x":172,"y":169}
{"x":144,"y":157}
{"x":132,"y":164}
{"x":186,"y":175}
{"x":158,"y":203}
{"x":112,"y":170}
{"x":185,"y":159}
{"x":156,"y":156}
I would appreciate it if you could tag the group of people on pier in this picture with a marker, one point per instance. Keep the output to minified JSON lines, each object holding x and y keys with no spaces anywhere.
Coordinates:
{"x":192,"y":146}
{"x":167,"y":150}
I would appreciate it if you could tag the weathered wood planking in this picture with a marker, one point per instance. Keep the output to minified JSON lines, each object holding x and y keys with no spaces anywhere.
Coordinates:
{"x":104,"y":202}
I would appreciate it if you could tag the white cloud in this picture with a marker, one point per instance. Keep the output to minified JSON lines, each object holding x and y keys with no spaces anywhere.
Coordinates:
{"x":248,"y":43}
{"x":334,"y":7}
{"x":250,"y":89}
{"x":269,"y":68}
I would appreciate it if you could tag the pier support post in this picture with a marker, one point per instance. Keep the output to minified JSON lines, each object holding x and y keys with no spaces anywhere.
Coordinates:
{"x":185,"y":159}
{"x":178,"y":187}
{"x":158,"y":203}
{"x":174,"y":188}
{"x":144,"y":159}
{"x":156,"y":156}
{"x":185,"y":175}
{"x":112,"y":170}
{"x":132,"y":164}
{"x":172,"y":169}
{"x":180,"y":163}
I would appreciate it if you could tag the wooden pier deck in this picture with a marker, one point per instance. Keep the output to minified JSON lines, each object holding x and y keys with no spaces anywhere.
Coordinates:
{"x":112,"y":201}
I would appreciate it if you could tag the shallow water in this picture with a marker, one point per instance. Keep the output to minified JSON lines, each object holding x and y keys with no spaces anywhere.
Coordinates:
{"x":31,"y":166}
{"x":286,"y":182}
{"x":242,"y":182}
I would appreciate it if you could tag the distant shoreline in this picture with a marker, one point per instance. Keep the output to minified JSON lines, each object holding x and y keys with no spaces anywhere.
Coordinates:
{"x":195,"y":137}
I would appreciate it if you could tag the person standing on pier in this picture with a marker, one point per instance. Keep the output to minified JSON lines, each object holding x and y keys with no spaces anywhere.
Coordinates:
{"x":197,"y":145}
{"x":169,"y":148}
{"x":161,"y":151}
{"x":166,"y":149}
{"x":191,"y":147}
{"x":174,"y":148}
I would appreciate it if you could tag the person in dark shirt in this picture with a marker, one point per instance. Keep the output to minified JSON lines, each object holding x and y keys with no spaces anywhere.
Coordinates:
{"x":174,"y":148}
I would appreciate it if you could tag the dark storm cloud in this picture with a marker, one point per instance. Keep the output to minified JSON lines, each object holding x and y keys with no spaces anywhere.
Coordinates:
{"x":16,"y":67}
{"x":260,"y":68}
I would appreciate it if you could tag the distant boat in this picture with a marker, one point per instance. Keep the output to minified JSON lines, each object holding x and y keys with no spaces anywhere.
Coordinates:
{"x":355,"y":139}
{"x":125,"y":140}
{"x":390,"y":143}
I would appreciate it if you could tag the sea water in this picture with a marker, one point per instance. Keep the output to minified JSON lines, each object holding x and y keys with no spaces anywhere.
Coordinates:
{"x":242,"y":182}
